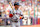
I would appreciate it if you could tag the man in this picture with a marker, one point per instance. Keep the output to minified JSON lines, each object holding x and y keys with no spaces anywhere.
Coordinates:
{"x":16,"y":15}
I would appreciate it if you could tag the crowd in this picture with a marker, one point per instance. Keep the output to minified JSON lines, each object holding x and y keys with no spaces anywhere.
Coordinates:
{"x":27,"y":7}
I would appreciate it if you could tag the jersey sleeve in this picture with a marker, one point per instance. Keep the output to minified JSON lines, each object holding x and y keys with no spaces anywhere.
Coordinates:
{"x":21,"y":13}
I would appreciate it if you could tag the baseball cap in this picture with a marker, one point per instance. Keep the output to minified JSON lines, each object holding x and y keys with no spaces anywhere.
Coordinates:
{"x":16,"y":3}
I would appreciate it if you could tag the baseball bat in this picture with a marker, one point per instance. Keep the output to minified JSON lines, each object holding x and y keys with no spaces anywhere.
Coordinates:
{"x":11,"y":5}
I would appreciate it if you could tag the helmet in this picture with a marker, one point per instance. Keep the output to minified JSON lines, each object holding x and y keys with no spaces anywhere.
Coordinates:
{"x":16,"y":3}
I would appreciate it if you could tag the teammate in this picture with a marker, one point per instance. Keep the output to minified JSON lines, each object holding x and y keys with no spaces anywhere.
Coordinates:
{"x":16,"y":15}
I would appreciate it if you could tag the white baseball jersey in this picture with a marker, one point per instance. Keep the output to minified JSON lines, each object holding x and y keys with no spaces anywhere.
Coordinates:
{"x":17,"y":13}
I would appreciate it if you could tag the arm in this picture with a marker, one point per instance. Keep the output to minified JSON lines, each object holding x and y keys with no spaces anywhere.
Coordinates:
{"x":21,"y":15}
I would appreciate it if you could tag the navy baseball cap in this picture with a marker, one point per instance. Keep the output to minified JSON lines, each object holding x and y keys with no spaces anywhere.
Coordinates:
{"x":16,"y":3}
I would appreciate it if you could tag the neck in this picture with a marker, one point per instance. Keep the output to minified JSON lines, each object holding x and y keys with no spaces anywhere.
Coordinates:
{"x":16,"y":8}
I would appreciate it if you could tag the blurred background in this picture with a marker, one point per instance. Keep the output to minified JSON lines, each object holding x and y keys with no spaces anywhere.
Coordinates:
{"x":30,"y":9}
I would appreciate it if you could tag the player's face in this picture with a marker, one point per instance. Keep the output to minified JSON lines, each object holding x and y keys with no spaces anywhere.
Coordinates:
{"x":16,"y":6}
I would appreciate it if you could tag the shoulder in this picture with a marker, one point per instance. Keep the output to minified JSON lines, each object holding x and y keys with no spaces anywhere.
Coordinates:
{"x":19,"y":10}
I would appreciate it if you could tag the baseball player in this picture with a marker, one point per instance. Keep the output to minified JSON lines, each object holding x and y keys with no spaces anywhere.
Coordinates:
{"x":16,"y":15}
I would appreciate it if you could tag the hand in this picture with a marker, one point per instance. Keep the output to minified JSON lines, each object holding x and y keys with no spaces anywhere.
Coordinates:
{"x":10,"y":15}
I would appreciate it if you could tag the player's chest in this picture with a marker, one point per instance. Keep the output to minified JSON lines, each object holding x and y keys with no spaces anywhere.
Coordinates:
{"x":17,"y":12}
